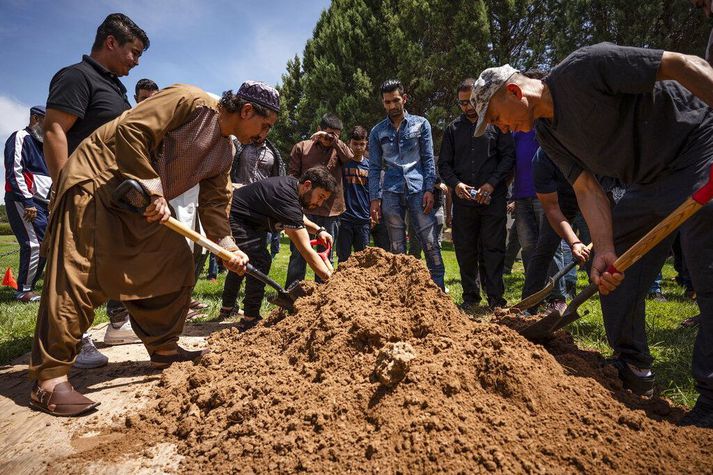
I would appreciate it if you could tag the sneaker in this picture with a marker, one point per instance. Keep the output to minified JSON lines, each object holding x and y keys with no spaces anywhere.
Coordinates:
{"x":27,"y":297}
{"x":89,"y":357}
{"x":120,"y":334}
{"x":556,"y":304}
{"x":657,"y":296}
{"x":641,"y":385}
{"x":468,"y":306}
{"x":700,"y":416}
{"x":691,"y":322}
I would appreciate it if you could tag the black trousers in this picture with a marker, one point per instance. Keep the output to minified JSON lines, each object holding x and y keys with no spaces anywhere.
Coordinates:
{"x":541,"y":259}
{"x":481,"y":230}
{"x":253,"y":243}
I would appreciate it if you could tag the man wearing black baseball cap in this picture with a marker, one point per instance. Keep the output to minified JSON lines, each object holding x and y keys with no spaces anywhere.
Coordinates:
{"x":97,"y":250}
{"x":642,"y":116}
{"x":27,"y":189}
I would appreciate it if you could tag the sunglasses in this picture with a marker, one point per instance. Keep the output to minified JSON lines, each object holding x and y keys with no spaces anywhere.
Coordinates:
{"x":463,"y":103}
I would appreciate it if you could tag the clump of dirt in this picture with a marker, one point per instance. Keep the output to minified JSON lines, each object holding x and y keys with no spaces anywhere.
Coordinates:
{"x":301,"y":393}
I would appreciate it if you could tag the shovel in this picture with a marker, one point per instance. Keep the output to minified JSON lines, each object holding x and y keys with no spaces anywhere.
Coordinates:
{"x":555,"y":320}
{"x":131,"y":195}
{"x":537,"y":297}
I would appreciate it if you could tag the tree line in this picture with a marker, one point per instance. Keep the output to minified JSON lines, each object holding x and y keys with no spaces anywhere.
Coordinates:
{"x":431,"y":45}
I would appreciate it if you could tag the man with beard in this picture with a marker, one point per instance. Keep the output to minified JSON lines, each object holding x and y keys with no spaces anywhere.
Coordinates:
{"x":476,"y":169}
{"x":272,"y":205}
{"x":402,"y":146}
{"x":27,"y":189}
{"x":97,"y":250}
{"x":642,"y":116}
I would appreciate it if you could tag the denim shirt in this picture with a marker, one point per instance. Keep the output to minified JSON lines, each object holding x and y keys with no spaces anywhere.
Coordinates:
{"x":405,"y":155}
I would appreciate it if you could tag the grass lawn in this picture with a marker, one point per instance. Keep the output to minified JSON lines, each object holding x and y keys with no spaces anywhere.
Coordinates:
{"x":672,"y":346}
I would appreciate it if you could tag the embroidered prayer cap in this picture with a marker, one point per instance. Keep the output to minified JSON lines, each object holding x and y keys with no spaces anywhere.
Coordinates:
{"x":484,"y":89}
{"x":38,"y":110}
{"x":260,"y":93}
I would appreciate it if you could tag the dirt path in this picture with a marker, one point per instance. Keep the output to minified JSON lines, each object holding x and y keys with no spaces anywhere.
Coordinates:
{"x":29,"y":440}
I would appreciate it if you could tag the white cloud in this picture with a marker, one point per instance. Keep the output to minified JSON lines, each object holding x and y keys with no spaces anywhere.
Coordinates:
{"x":14,"y":115}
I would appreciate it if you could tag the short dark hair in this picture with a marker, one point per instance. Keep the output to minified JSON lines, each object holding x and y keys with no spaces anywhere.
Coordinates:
{"x":320,"y":177}
{"x":358,"y":133}
{"x":233,"y":103}
{"x":145,"y":84}
{"x":330,"y":121}
{"x":122,"y":28}
{"x":466,"y":85}
{"x":391,"y":85}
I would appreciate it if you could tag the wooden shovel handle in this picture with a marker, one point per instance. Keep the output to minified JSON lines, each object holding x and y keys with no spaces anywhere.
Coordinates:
{"x":655,"y":236}
{"x":198,"y":238}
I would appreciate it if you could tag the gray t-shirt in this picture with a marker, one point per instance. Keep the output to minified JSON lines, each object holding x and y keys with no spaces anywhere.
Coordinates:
{"x":613,"y":118}
{"x":256,"y":162}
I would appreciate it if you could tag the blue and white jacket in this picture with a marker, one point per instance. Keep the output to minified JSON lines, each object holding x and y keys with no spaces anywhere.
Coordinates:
{"x":26,"y":175}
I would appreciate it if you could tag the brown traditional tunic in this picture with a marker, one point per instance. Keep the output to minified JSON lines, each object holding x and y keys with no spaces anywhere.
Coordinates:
{"x":308,"y":154}
{"x":96,"y":250}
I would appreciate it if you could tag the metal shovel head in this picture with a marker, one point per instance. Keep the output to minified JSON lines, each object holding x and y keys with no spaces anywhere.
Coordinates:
{"x":286,"y":298}
{"x":537,"y":297}
{"x":545,"y":327}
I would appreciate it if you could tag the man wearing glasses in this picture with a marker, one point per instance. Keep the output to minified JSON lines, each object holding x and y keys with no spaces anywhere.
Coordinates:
{"x":476,"y":169}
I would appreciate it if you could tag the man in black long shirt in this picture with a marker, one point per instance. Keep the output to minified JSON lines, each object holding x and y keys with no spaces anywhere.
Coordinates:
{"x":475,"y":169}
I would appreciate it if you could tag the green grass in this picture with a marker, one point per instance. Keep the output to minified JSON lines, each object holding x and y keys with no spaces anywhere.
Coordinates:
{"x":671,"y":346}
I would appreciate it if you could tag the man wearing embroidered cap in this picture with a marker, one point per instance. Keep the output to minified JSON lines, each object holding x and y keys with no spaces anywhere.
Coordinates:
{"x":96,"y":250}
{"x":644,"y":117}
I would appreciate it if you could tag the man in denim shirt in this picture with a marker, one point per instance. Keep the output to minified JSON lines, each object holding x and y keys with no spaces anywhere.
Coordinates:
{"x":402,"y":146}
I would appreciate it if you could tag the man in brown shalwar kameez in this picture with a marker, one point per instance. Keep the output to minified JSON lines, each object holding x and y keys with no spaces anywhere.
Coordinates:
{"x":97,"y":250}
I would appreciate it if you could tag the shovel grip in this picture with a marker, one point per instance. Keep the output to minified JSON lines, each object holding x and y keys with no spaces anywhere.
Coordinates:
{"x":705,"y":193}
{"x":323,"y":254}
{"x":655,"y":236}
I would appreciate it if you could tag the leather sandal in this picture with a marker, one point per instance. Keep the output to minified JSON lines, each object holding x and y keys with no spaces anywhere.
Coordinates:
{"x":164,"y":361}
{"x":63,"y":401}
{"x":197,"y":305}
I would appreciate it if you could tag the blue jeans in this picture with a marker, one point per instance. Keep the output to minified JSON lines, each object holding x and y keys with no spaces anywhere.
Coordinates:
{"x":274,"y":240}
{"x":566,"y":287}
{"x":393,"y":208}
{"x":297,"y":268}
{"x":212,"y":266}
{"x":351,"y":235}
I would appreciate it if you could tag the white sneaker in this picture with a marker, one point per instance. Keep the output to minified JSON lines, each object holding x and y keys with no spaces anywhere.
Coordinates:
{"x":121,"y":335}
{"x":89,"y":357}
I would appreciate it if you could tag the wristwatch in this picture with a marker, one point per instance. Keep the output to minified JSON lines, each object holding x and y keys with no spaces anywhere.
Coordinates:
{"x":321,"y":228}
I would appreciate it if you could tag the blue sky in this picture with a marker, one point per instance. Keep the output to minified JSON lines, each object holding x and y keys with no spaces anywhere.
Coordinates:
{"x":214,"y":44}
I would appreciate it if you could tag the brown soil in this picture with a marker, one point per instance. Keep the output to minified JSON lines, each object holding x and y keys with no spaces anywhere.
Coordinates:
{"x":378,"y":371}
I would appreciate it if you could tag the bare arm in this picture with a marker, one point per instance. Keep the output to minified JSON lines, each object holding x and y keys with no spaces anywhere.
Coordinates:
{"x":551,"y":207}
{"x":692,"y":72}
{"x":55,"y":147}
{"x":595,"y":207}
{"x":300,"y":238}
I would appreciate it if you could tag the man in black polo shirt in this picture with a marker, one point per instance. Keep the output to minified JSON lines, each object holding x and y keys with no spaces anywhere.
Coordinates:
{"x":642,"y":116}
{"x":83,"y":97}
{"x":559,"y":204}
{"x":272,"y":205}
{"x":476,"y":168}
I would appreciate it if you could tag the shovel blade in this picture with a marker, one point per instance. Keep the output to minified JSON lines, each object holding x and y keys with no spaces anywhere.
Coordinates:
{"x":544,"y":328}
{"x":537,"y":297}
{"x":286,"y":298}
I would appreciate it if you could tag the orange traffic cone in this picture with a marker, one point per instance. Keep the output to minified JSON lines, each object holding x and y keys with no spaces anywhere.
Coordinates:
{"x":9,"y":280}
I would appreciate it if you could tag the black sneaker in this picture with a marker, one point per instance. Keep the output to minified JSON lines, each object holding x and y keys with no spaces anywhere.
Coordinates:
{"x":641,"y":385}
{"x":700,"y":416}
{"x":468,"y":306}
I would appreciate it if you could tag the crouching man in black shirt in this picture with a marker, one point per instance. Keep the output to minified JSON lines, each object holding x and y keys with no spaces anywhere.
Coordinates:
{"x":272,"y":205}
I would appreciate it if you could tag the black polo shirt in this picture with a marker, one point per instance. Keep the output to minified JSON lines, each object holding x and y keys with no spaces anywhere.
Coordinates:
{"x":272,"y":204}
{"x":475,"y":160}
{"x":613,"y":118}
{"x":90,"y":92}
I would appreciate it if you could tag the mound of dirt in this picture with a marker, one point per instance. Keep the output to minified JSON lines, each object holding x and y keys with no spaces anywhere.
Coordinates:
{"x":379,"y":371}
